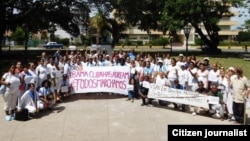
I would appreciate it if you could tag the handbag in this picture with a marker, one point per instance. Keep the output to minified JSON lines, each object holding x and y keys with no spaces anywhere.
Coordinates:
{"x":22,"y":116}
{"x":2,"y":89}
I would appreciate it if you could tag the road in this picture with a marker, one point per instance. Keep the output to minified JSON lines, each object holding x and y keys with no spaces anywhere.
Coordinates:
{"x":178,"y":49}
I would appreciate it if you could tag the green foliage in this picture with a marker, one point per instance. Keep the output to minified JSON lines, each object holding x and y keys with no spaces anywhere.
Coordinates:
{"x":44,"y":35}
{"x":159,"y":42}
{"x":243,"y":36}
{"x":85,"y":40}
{"x":127,"y":42}
{"x":64,"y":41}
{"x":139,"y":43}
{"x":18,"y":35}
{"x":198,"y":41}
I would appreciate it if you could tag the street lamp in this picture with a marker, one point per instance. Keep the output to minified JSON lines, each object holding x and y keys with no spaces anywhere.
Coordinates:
{"x":187,"y":30}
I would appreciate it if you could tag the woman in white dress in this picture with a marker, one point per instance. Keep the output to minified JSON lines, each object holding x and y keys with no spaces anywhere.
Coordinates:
{"x":183,"y":76}
{"x":12,"y":82}
{"x":172,"y":71}
{"x":202,"y":75}
{"x":223,"y":82}
{"x":42,"y":72}
{"x":192,"y":80}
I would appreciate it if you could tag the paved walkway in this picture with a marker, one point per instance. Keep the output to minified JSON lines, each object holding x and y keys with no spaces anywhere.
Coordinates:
{"x":99,"y":118}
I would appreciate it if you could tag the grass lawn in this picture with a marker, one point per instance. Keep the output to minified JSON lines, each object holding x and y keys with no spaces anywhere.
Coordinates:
{"x":235,"y":62}
{"x":227,"y":62}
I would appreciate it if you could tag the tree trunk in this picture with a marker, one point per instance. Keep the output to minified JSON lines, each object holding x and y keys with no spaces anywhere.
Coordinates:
{"x":211,"y":43}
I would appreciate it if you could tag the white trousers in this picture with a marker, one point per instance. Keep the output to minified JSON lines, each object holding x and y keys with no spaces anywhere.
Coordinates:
{"x":10,"y":100}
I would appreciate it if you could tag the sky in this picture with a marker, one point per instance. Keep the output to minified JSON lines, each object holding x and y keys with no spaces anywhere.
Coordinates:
{"x":243,"y":15}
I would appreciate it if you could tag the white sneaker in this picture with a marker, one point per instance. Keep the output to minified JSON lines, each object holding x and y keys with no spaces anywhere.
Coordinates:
{"x":232,"y":118}
{"x":8,"y":118}
{"x":194,"y":114}
{"x":216,"y":115}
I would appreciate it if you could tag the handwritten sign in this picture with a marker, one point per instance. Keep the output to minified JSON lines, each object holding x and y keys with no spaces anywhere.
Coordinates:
{"x":130,"y":87}
{"x":179,"y":96}
{"x":213,"y":100}
{"x":100,"y":79}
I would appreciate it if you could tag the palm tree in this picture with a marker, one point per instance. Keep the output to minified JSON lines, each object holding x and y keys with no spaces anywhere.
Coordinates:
{"x":98,"y":22}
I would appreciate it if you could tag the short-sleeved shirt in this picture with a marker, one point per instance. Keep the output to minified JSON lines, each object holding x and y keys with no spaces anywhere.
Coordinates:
{"x":143,"y":90}
{"x":218,"y":94}
{"x":45,"y":91}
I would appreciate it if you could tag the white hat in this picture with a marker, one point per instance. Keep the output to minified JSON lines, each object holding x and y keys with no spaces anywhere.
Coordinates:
{"x":231,"y":68}
{"x":206,"y":58}
{"x":160,"y":61}
{"x":181,"y":55}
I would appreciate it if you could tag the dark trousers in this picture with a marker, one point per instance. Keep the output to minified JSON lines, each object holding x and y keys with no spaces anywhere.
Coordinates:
{"x":238,"y":111}
{"x":144,"y":100}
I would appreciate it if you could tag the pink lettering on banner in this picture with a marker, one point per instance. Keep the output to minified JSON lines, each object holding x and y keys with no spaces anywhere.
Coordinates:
{"x":120,"y":75}
{"x":76,"y":74}
{"x":79,"y":84}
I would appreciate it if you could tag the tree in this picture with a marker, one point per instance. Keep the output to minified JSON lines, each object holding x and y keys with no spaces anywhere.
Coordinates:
{"x":98,"y":22}
{"x":115,"y":28}
{"x":35,"y":15}
{"x":145,"y":14}
{"x":200,"y":12}
{"x":173,"y":15}
{"x":18,"y":35}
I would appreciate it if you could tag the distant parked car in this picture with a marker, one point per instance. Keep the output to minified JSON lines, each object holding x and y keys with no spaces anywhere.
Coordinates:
{"x":72,"y":47}
{"x":53,"y":45}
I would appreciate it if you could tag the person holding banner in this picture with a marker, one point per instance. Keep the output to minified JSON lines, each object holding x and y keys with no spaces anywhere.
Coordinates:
{"x":177,"y":85}
{"x":162,"y":81}
{"x":217,"y":107}
{"x":143,"y":90}
{"x":78,"y":65}
{"x":131,"y":92}
{"x":202,"y":90}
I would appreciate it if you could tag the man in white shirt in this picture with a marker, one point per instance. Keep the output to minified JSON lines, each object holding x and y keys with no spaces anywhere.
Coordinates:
{"x":213,"y":75}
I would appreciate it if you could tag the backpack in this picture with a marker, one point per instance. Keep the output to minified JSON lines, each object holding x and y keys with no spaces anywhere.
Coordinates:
{"x":22,"y":116}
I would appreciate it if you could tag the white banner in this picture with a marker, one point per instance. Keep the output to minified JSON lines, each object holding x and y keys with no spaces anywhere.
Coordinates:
{"x":180,"y":96}
{"x":112,"y":79}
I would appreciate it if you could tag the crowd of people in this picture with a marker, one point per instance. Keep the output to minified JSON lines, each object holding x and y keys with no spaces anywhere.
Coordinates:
{"x":43,"y":84}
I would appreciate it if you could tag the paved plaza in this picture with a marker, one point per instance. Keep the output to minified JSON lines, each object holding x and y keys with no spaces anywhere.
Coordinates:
{"x":99,"y":118}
